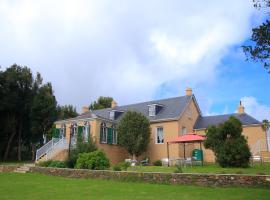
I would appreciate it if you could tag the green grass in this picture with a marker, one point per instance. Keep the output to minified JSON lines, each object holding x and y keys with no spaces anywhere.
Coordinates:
{"x":36,"y":186}
{"x":208,"y":168}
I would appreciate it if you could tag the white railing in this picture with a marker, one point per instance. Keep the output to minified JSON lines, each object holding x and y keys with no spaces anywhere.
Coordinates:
{"x":51,"y":146}
{"x":59,"y":146}
{"x":260,"y":145}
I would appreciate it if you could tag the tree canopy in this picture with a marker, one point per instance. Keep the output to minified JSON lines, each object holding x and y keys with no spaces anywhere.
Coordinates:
{"x":259,"y":48}
{"x":27,"y":112}
{"x":102,"y":102}
{"x":65,"y":112}
{"x":228,"y":143}
{"x":134,"y":133}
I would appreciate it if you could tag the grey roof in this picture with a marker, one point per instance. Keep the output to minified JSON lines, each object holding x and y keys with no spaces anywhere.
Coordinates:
{"x":204,"y":122}
{"x":171,"y":108}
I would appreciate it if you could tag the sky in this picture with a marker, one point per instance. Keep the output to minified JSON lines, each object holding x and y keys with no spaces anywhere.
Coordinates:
{"x":139,"y":50}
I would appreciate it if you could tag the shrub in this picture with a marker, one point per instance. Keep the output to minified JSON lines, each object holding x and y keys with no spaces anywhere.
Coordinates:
{"x":124,"y":165}
{"x":93,"y":160}
{"x":158,"y":163}
{"x":81,"y":147}
{"x":117,"y":167}
{"x":228,"y":143}
{"x":53,"y":163}
{"x":178,"y":169}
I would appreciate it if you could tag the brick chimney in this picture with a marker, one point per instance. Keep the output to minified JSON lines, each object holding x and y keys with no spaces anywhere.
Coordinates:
{"x":241,"y":108}
{"x":85,"y":109}
{"x":188,"y":91}
{"x":113,"y":104}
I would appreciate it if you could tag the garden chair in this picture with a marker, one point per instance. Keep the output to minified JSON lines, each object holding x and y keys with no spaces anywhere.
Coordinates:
{"x":145,"y":162}
{"x":188,"y":161}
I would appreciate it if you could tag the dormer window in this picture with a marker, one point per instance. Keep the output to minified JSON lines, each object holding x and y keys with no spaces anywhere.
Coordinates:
{"x":153,"y":109}
{"x":114,"y":114}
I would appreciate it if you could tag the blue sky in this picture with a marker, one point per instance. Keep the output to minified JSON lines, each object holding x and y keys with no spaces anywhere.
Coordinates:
{"x":139,"y":50}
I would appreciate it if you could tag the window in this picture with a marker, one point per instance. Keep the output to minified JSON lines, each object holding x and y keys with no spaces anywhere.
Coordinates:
{"x":184,"y":130}
{"x":112,"y":115}
{"x":160,"y":136}
{"x":152,"y":110}
{"x":114,"y":135}
{"x":63,"y":131}
{"x":86,"y":131}
{"x":103,"y":133}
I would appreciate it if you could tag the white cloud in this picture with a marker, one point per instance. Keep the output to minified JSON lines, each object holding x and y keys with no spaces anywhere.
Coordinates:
{"x":125,"y":49}
{"x":256,"y":109}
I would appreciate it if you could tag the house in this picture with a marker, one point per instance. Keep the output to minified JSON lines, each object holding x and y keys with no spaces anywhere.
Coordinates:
{"x":169,"y":118}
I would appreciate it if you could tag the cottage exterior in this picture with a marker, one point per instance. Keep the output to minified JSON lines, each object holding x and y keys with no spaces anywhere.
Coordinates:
{"x":169,"y":118}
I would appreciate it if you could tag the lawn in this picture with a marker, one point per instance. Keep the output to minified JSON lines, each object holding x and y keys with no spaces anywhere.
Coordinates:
{"x":36,"y":186}
{"x":207,"y":168}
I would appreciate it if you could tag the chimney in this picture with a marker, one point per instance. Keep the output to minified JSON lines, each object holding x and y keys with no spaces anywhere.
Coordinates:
{"x":241,"y":108}
{"x":113,"y":104}
{"x":85,"y":109}
{"x":188,"y":91}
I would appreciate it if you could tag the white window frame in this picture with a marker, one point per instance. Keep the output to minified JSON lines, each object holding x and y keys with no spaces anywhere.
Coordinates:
{"x":156,"y":139}
{"x":103,"y":139}
{"x":114,"y":136}
{"x":112,"y":115}
{"x":152,"y":110}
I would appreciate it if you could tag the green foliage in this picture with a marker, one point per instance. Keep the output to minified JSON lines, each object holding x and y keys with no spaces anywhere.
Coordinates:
{"x":102,"y":102}
{"x":228,"y":143}
{"x":134,"y":133}
{"x":266,"y":124}
{"x":117,"y":167}
{"x":178,"y":169}
{"x":157,"y":163}
{"x":259,"y":49}
{"x":52,"y":163}
{"x":124,"y":165}
{"x":96,"y":160}
{"x":81,"y":147}
{"x":65,"y":112}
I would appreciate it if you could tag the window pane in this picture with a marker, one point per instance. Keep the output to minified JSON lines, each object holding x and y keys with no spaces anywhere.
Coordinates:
{"x":160,"y":137}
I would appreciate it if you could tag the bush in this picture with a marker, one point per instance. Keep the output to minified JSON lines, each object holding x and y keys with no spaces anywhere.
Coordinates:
{"x":81,"y":147}
{"x":117,"y":167}
{"x":125,"y":165}
{"x":228,"y":143}
{"x":158,"y":163}
{"x":53,"y":163}
{"x":94,"y":160}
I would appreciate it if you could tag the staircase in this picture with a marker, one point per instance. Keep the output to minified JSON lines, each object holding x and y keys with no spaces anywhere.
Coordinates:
{"x":24,"y":168}
{"x":52,"y":148}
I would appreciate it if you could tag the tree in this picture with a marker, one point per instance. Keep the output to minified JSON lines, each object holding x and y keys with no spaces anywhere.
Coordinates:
{"x":266,"y":124}
{"x":43,"y":112}
{"x":65,"y":112}
{"x":134,"y":133}
{"x":228,"y":143}
{"x":259,"y":49}
{"x":102,"y":102}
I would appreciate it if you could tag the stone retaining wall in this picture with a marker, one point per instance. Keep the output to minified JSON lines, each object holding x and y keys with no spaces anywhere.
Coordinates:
{"x":221,"y":180}
{"x":8,"y":168}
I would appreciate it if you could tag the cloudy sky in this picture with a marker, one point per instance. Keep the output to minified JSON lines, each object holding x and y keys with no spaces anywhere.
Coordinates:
{"x":138,"y":50}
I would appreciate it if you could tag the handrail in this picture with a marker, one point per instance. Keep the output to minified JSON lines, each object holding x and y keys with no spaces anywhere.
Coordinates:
{"x":260,"y":145}
{"x":45,"y":148}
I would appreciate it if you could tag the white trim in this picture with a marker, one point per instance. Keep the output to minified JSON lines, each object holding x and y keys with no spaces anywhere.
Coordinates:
{"x":157,"y":135}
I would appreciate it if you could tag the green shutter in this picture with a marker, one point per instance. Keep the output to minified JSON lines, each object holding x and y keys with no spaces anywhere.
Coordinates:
{"x":110,"y":136}
{"x":80,"y":131}
{"x":56,"y":132}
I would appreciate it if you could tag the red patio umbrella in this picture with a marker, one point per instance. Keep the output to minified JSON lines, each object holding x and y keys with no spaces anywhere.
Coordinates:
{"x":188,"y":138}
